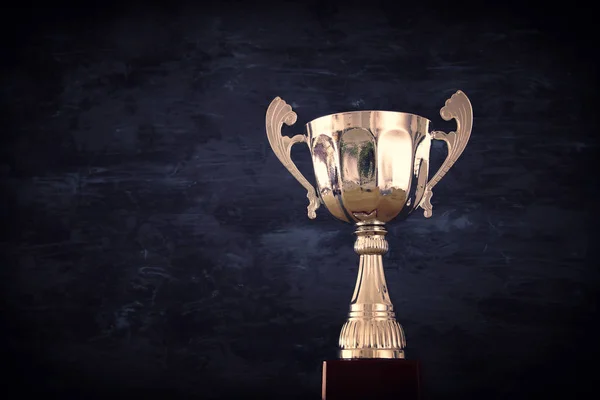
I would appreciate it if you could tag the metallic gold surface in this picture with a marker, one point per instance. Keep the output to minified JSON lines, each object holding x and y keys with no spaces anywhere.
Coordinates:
{"x":371,"y":330}
{"x":459,"y":108}
{"x":371,"y":167}
{"x":278,"y":113}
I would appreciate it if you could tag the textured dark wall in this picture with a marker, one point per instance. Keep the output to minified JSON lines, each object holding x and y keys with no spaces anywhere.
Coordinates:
{"x":156,"y":246}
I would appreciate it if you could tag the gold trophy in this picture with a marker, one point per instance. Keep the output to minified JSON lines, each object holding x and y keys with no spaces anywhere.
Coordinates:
{"x":370,"y":167}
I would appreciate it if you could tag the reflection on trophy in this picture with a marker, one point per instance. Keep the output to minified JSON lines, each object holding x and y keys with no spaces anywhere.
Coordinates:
{"x":370,"y":167}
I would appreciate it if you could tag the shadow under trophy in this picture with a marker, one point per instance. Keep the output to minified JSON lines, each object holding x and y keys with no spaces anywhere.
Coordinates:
{"x":370,"y":167}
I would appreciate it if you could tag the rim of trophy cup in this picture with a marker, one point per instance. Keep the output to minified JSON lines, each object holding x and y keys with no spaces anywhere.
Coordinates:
{"x":364,"y":112}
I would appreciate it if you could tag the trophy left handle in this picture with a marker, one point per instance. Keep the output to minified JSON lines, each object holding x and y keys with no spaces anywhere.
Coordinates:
{"x":278,"y":113}
{"x":457,"y":107}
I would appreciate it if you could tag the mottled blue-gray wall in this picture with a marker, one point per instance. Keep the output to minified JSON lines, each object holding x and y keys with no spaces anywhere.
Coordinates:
{"x":156,"y":245}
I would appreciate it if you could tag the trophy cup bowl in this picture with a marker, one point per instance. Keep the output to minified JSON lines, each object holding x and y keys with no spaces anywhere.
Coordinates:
{"x":370,"y":167}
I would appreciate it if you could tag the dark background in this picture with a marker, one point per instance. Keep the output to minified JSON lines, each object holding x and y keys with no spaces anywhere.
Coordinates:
{"x":154,"y":245}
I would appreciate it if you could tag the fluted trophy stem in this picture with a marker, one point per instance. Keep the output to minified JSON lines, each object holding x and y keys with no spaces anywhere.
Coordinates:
{"x":371,"y":330}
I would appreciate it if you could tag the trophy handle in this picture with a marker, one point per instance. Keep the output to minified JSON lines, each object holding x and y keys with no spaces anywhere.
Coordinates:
{"x":459,"y":108}
{"x":278,"y":113}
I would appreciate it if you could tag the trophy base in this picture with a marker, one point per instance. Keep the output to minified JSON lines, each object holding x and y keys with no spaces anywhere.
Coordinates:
{"x":380,"y":379}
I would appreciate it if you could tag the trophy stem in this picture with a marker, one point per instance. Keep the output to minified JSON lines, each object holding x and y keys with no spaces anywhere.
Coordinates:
{"x":371,"y":330}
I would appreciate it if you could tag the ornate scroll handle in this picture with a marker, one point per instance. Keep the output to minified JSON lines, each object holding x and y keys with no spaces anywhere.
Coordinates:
{"x":278,"y":113}
{"x":459,"y":108}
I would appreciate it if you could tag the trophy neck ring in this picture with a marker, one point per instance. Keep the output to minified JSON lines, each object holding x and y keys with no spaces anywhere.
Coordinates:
{"x":370,"y":238}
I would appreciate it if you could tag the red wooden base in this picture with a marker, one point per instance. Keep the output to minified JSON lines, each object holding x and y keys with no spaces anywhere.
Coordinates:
{"x":372,"y":379}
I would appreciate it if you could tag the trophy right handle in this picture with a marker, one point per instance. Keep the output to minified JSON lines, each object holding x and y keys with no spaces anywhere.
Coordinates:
{"x":278,"y":113}
{"x":457,"y":107}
